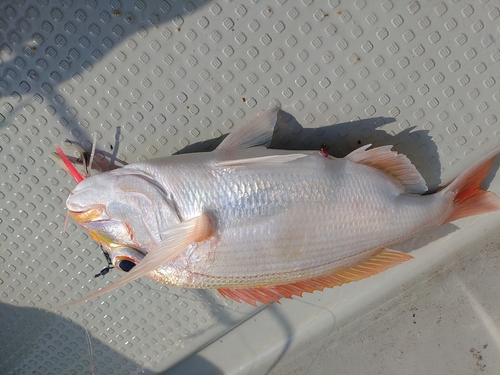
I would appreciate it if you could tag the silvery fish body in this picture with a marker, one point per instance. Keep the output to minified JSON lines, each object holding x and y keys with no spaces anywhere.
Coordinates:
{"x":277,"y":223}
{"x":258,"y":224}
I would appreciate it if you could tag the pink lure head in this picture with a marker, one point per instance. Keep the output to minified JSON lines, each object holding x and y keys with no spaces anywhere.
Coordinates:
{"x":71,"y":169}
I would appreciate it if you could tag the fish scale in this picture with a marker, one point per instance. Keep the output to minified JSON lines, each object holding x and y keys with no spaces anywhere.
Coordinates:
{"x":310,"y":227}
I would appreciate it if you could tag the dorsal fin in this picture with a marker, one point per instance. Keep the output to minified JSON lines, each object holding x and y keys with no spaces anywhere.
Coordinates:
{"x":392,"y":163}
{"x":379,"y":263}
{"x":258,"y":131}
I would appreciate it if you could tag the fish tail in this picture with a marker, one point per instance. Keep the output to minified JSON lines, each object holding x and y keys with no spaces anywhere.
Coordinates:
{"x":469,"y":199}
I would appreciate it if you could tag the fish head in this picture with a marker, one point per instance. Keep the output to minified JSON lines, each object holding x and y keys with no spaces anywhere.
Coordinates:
{"x":125,"y":210}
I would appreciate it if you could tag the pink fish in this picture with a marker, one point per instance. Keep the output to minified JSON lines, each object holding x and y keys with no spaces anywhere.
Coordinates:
{"x":261,"y":224}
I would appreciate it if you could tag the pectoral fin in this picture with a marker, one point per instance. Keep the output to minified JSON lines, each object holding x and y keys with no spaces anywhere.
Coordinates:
{"x":174,"y":240}
{"x":379,"y":263}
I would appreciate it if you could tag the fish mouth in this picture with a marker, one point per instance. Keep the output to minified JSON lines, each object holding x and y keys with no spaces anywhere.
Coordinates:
{"x":94,"y":214}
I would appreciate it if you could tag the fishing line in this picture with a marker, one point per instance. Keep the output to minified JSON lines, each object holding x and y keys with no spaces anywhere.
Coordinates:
{"x":89,"y":340}
{"x":66,"y":220}
{"x":92,"y":154}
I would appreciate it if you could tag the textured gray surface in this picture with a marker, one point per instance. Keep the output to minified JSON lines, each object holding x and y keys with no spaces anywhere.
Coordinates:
{"x":150,"y":78}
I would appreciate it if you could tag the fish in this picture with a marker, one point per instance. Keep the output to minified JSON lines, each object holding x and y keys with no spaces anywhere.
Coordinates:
{"x":259,"y":224}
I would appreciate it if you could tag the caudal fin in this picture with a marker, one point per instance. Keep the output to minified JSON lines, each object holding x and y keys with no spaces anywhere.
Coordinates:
{"x":469,"y":199}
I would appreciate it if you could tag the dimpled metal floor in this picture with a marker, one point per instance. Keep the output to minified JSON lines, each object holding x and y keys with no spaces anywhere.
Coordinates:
{"x":153,"y":78}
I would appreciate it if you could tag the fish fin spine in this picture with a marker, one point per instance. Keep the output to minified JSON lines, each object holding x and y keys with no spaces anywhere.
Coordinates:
{"x":268,"y":294}
{"x":261,"y":160}
{"x":469,"y":199}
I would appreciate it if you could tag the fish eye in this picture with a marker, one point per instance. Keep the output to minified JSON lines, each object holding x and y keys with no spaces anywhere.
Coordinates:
{"x":126,"y":258}
{"x":125,"y":265}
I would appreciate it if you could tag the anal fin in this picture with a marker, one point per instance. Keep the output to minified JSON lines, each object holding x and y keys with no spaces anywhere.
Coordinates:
{"x":377,"y":264}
